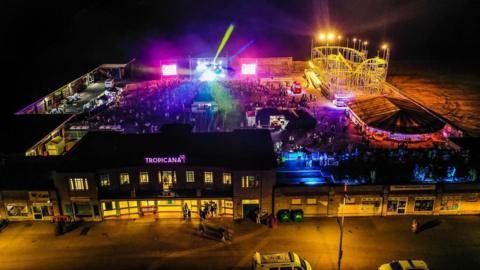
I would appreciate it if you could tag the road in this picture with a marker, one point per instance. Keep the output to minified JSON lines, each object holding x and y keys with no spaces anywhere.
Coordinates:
{"x":453,"y":243}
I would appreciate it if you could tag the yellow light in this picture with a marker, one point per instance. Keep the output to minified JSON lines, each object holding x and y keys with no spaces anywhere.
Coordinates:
{"x":330,"y":36}
{"x":365,"y":43}
{"x":339,"y":37}
{"x":322,"y":36}
{"x":384,"y":46}
{"x":354,"y":39}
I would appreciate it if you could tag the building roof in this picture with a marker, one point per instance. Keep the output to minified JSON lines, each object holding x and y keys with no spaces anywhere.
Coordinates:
{"x":240,"y":149}
{"x":28,"y":173}
{"x":297,"y":119}
{"x":395,"y":115}
{"x":21,"y":132}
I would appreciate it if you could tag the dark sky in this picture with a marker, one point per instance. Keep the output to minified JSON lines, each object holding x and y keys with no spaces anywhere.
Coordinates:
{"x":47,"y":43}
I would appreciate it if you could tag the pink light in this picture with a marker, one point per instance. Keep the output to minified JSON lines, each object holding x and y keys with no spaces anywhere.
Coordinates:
{"x":169,"y":70}
{"x":180,"y":159}
{"x":249,"y":69}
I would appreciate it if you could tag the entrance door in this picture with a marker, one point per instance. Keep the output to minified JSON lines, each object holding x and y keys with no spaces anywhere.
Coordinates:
{"x":249,"y":208}
{"x":37,"y":212}
{"x":397,"y":206}
{"x":402,"y":206}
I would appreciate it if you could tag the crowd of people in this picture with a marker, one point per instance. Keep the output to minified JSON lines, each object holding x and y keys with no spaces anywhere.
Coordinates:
{"x":145,"y":109}
{"x":273,"y":94}
{"x":371,"y":164}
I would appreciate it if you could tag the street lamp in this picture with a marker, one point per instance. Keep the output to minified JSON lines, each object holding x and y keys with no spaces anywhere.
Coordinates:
{"x":340,"y":223}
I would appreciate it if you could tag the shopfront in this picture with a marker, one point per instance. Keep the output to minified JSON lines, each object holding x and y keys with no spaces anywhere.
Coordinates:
{"x":450,"y":204}
{"x":42,"y":207}
{"x":17,"y":210}
{"x":424,"y":205}
{"x":397,"y":205}
{"x":81,"y":208}
{"x":249,"y":207}
{"x":360,"y":205}
{"x":165,"y":208}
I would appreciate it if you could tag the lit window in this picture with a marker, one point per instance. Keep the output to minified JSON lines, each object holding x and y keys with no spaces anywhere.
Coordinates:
{"x":167,"y":177}
{"x":311,"y":201}
{"x":208,"y":177}
{"x":124,"y":179}
{"x":227,"y":178}
{"x":104,"y":180}
{"x":190,"y":176}
{"x":248,"y":181}
{"x":143,"y":177}
{"x":78,"y":184}
{"x":296,"y":201}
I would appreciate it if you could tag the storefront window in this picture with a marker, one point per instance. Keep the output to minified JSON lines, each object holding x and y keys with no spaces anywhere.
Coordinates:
{"x":104,"y":180}
{"x":107,"y":206}
{"x":424,"y":205}
{"x":397,"y":206}
{"x":208,"y":177}
{"x":17,"y":209}
{"x":311,"y":201}
{"x":82,"y":209}
{"x":227,"y":178}
{"x":144,"y":177}
{"x":296,"y":201}
{"x":77,"y":184}
{"x":370,"y":204}
{"x":124,"y":179}
{"x":190,"y":176}
{"x":450,"y":203}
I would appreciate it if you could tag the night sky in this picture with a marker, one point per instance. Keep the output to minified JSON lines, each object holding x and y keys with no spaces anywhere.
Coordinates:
{"x":48,"y":43}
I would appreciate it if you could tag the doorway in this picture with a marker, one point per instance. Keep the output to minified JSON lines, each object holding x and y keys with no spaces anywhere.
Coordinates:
{"x":249,"y":207}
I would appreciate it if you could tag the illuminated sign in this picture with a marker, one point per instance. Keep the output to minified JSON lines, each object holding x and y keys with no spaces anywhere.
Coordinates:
{"x":411,"y":187}
{"x":249,"y":69}
{"x":169,"y":70}
{"x":180,"y":159}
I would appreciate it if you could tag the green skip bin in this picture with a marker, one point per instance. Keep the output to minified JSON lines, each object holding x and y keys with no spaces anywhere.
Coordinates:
{"x":297,"y":215}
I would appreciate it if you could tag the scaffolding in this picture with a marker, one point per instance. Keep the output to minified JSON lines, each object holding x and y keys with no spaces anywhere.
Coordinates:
{"x":347,"y":72}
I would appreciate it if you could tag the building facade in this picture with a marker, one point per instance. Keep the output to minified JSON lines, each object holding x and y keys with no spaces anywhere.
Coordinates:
{"x":159,"y":175}
{"x":380,"y":200}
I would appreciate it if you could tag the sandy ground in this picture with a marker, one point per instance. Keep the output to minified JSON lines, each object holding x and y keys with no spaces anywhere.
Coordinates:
{"x":448,"y":92}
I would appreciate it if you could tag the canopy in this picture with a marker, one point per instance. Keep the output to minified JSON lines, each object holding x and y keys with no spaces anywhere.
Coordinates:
{"x":395,"y":115}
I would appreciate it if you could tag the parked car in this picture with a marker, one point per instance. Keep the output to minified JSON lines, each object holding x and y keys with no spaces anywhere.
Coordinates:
{"x":286,"y":260}
{"x":405,"y":265}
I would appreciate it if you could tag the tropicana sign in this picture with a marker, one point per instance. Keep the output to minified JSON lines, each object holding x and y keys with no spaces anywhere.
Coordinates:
{"x":180,"y":159}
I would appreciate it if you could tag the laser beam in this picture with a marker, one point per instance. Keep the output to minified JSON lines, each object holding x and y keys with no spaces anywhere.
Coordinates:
{"x":225,"y":38}
{"x":243,"y":48}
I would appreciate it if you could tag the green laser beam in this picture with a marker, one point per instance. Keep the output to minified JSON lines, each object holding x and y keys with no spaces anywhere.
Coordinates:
{"x":225,"y":38}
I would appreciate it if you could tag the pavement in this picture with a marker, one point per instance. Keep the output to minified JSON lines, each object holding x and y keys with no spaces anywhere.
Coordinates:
{"x":444,"y":243}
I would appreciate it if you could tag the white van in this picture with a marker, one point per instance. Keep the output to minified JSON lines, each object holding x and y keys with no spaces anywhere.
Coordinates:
{"x":279,"y":261}
{"x":109,"y":83}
